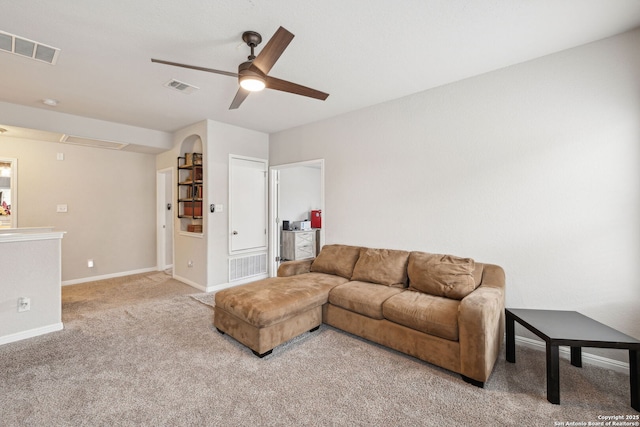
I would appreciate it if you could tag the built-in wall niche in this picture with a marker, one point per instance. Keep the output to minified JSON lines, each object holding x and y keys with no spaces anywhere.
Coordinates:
{"x":190,"y":206}
{"x":8,"y":192}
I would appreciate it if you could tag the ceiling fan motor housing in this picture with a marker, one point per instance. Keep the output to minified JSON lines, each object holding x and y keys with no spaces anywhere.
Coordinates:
{"x":245,"y":69}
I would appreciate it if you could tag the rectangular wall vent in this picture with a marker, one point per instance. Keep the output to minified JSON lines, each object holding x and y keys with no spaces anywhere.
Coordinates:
{"x":248,"y":266}
{"x":11,"y":43}
{"x":90,"y":142}
{"x":181,"y":86}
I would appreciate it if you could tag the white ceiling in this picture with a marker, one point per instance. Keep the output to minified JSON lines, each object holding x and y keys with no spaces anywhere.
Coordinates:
{"x":362,"y":52}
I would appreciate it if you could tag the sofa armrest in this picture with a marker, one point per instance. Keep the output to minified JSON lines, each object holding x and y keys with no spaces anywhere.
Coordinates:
{"x":481,"y":325}
{"x":292,"y":268}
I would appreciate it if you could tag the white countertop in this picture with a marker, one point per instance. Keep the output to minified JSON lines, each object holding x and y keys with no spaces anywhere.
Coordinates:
{"x":29,"y":233}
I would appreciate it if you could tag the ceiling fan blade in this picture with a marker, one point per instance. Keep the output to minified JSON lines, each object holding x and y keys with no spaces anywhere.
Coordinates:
{"x":193,"y":67}
{"x":241,"y":95}
{"x":285,"y":86}
{"x":272,"y":50}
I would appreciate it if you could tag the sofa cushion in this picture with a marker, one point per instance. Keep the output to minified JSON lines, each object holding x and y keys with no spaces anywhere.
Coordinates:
{"x":441,"y":275}
{"x":362,"y":297}
{"x":426,"y":313}
{"x":382,"y":266}
{"x":336,"y":259}
{"x":269,"y":301}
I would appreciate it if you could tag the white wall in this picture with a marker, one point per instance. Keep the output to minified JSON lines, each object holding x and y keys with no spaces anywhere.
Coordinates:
{"x":535,"y":167}
{"x":111,"y":204}
{"x":210,"y":251}
{"x":224,"y":140}
{"x":188,"y":246}
{"x":300,"y":192}
{"x":20,"y":279}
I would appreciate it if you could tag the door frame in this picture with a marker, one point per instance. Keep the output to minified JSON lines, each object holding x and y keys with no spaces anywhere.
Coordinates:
{"x":274,"y":202}
{"x":14,"y":189}
{"x":164,"y":178}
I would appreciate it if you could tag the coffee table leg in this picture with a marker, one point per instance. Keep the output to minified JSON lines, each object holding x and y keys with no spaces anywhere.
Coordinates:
{"x":634,"y":364}
{"x":511,"y":338}
{"x":553,"y":374}
{"x":576,"y":356}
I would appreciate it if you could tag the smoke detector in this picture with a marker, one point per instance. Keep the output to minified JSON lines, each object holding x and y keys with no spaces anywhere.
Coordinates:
{"x":16,"y":45}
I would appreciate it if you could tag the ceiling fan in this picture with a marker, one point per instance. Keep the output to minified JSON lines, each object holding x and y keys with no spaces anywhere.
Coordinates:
{"x":253,"y":73}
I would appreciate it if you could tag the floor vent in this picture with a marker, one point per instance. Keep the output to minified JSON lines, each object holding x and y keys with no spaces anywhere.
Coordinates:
{"x":180,"y":86}
{"x":248,"y":266}
{"x":11,"y":43}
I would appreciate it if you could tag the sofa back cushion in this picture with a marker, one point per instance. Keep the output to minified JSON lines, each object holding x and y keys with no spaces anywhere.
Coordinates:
{"x":383,"y":266}
{"x":338,"y":260}
{"x":441,"y":275}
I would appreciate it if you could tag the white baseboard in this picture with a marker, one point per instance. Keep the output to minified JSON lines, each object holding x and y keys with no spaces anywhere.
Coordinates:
{"x":216,"y":288}
{"x":222,"y":286}
{"x":190,"y":283}
{"x":592,"y":359}
{"x":108,"y":276}
{"x":18,"y":336}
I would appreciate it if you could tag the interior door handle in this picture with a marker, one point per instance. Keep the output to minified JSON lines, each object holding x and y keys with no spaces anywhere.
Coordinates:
{"x":234,"y":232}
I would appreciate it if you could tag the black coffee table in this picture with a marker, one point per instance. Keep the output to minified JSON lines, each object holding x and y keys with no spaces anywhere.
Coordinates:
{"x":576,"y":330}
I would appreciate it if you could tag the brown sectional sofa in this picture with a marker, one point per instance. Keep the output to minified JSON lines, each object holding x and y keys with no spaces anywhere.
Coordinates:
{"x":442,"y":309}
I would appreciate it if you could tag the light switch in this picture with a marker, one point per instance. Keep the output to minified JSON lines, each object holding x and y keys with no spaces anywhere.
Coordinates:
{"x":61,"y":208}
{"x":219,"y":208}
{"x":60,"y":156}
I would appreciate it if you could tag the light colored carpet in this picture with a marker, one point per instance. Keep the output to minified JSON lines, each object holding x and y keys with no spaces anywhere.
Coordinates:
{"x":205,"y":298}
{"x":143,"y":351}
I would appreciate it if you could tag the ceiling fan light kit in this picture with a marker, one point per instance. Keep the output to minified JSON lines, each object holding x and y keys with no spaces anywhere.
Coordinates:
{"x":252,"y":84}
{"x":253,"y":74}
{"x":250,"y":79}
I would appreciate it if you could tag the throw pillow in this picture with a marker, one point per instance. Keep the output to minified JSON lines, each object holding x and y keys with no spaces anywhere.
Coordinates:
{"x":338,"y":260}
{"x":441,"y":275}
{"x":382,"y":266}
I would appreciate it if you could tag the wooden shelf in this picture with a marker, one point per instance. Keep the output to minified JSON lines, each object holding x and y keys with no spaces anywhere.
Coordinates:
{"x":190,"y":191}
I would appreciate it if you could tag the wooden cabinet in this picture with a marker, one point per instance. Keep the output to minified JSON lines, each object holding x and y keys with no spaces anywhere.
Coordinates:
{"x":190,"y":190}
{"x":298,"y":245}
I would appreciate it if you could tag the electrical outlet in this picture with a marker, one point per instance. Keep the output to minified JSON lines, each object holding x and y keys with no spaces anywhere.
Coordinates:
{"x":90,"y":263}
{"x":24,"y":304}
{"x":190,"y":264}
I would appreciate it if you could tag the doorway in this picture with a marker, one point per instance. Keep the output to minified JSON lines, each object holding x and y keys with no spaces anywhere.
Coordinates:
{"x":8,"y":192}
{"x":164,"y":222}
{"x":295,"y":190}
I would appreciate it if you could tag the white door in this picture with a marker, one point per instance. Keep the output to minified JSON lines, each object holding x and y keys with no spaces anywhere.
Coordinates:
{"x":168,"y":220}
{"x":165,"y":218}
{"x":248,"y":204}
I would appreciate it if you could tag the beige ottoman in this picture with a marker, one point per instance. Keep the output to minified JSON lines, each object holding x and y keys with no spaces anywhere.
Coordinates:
{"x":269,"y":312}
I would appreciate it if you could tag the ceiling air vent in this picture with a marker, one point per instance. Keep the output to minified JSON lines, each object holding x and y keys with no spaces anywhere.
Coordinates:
{"x":181,"y":86}
{"x":89,"y":142}
{"x":24,"y":47}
